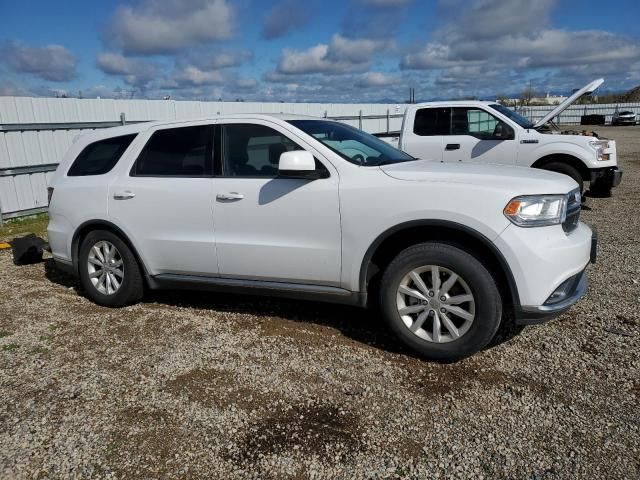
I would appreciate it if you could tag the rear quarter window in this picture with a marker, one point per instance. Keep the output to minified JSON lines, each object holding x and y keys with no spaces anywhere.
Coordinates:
{"x":100,"y":157}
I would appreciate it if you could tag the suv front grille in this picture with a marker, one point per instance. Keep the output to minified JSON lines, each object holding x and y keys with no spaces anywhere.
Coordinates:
{"x":574,"y":204}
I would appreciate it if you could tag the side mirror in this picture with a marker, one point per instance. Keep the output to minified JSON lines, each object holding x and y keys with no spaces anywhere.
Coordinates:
{"x":503,"y":132}
{"x":297,"y":164}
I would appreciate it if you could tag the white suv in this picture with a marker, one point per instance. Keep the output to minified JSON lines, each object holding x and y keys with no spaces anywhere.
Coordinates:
{"x":315,"y":209}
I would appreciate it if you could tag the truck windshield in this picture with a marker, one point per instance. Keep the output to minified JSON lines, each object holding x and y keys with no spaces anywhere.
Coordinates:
{"x":516,"y":117}
{"x":352,"y":144}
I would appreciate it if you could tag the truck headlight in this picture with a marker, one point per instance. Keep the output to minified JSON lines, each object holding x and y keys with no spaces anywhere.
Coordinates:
{"x":537,"y":210}
{"x":599,"y":146}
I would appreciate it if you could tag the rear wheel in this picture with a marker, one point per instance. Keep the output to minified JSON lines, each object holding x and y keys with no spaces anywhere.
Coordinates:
{"x":109,"y":272}
{"x":440,"y":301}
{"x":566,"y":169}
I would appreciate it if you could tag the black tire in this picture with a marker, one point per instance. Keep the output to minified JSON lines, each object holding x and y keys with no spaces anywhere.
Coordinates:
{"x":488,"y":311}
{"x":132,"y":285}
{"x":566,"y":169}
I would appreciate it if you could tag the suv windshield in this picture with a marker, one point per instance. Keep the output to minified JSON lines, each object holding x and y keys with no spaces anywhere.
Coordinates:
{"x":516,"y":117}
{"x":352,"y":144}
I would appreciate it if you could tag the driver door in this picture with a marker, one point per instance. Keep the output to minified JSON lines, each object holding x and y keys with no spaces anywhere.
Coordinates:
{"x":477,"y":136}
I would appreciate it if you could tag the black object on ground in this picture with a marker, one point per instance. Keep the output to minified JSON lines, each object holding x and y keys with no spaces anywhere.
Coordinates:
{"x":28,"y":249}
{"x":592,"y":119}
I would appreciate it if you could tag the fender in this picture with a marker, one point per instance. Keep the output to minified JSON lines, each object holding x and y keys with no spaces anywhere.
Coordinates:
{"x":502,"y":262}
{"x":108,"y":226}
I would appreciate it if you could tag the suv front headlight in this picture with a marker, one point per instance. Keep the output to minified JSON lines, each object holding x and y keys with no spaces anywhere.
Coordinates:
{"x":537,"y":210}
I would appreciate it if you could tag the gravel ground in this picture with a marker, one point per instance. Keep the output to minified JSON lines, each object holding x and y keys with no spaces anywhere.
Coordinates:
{"x":192,"y":385}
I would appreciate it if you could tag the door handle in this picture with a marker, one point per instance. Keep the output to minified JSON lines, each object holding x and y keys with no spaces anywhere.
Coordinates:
{"x":124,"y":195}
{"x":230,"y":196}
{"x":452,"y":146}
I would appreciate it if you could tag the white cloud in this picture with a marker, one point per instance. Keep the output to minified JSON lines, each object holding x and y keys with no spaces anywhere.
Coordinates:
{"x":376,"y":79}
{"x":284,"y":17}
{"x":134,"y":71}
{"x":194,"y":76}
{"x":51,"y":62}
{"x":165,"y":26}
{"x":342,"y":55}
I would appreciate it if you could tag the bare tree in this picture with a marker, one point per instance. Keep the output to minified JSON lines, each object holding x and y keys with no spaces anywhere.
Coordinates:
{"x":527,"y":95}
{"x":502,"y":99}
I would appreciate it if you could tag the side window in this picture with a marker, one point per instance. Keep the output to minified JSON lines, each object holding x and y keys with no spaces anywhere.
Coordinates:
{"x":100,"y":157}
{"x":473,"y":121}
{"x":177,"y":152}
{"x":432,"y":121}
{"x":253,"y":150}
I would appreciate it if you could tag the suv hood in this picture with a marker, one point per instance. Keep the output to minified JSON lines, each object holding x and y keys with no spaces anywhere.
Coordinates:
{"x":515,"y":180}
{"x":586,"y":90}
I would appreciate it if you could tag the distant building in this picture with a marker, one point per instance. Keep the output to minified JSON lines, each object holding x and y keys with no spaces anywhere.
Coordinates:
{"x":548,"y":99}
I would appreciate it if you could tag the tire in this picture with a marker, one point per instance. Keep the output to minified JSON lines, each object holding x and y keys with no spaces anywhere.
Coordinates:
{"x":566,"y":169}
{"x":486,"y":308}
{"x":124,"y":270}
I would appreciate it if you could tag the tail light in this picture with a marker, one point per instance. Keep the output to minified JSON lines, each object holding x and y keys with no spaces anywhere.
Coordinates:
{"x":49,"y":195}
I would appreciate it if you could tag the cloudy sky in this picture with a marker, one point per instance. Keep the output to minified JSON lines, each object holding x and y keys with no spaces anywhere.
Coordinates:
{"x":315,"y":50}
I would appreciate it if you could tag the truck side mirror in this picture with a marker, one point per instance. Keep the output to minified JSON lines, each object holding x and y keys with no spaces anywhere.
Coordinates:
{"x":503,"y":131}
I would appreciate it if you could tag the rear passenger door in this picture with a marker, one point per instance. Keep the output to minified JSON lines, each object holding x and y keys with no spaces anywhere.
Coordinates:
{"x":425,"y":139}
{"x":164,"y":200}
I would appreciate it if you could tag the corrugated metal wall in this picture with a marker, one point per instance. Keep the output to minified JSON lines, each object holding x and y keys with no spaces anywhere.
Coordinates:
{"x":26,"y":192}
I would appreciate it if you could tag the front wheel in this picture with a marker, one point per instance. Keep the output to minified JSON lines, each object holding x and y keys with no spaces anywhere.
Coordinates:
{"x":568,"y":170}
{"x":440,"y":301}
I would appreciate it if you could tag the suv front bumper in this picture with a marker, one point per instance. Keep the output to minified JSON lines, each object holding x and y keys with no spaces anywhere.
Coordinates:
{"x":575,"y":288}
{"x":562,"y":298}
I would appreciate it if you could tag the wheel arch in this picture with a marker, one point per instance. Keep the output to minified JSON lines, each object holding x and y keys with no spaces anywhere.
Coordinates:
{"x":572,"y":160}
{"x":85,"y":228}
{"x":388,"y":244}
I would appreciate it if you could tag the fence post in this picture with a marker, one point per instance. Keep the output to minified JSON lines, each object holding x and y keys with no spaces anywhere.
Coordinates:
{"x":360,"y":120}
{"x":123,"y":119}
{"x":388,"y":127}
{"x":325,"y":114}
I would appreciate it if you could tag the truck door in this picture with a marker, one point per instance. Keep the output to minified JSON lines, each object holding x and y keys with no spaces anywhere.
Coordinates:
{"x":422,"y":136}
{"x":479,"y":137}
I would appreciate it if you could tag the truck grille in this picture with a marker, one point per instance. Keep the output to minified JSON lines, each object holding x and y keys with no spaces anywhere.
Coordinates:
{"x":574,"y":204}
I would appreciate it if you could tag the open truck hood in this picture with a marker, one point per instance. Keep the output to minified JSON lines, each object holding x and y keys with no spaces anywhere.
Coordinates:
{"x":586,"y":90}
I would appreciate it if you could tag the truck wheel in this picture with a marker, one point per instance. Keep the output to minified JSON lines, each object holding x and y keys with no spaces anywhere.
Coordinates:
{"x":440,"y":301}
{"x":109,"y":272}
{"x":566,"y":169}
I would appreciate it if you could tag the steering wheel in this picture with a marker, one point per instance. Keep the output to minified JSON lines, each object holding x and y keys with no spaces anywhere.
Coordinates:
{"x":358,"y":158}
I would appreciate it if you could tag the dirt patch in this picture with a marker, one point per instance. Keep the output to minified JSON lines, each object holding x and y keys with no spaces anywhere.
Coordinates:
{"x":435,"y":380}
{"x":216,"y":388}
{"x":300,"y":429}
{"x":144,"y":443}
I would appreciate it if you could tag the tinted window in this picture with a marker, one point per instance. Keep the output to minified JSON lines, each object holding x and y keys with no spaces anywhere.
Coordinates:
{"x":100,"y":157}
{"x":253,"y":150}
{"x":516,"y":117}
{"x":177,"y":152}
{"x":432,"y":121}
{"x":352,"y":144}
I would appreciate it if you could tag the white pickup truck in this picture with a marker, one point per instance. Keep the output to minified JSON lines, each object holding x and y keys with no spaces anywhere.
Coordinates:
{"x":487,"y":132}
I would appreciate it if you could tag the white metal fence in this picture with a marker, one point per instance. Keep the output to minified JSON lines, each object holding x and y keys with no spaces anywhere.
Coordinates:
{"x":36,"y":132}
{"x":571,"y":115}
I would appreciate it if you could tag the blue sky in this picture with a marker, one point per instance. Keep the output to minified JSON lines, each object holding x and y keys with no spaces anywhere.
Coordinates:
{"x":289,"y":50}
